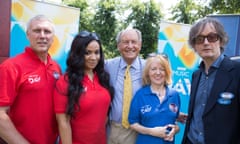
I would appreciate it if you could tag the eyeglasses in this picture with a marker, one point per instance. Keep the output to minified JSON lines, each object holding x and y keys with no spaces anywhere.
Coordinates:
{"x":158,"y":54}
{"x":212,"y":37}
{"x":87,"y":34}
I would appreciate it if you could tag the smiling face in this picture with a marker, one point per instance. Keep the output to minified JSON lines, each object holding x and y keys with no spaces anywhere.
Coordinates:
{"x":208,"y":50}
{"x":130,"y":45}
{"x":157,"y":74}
{"x":157,"y":71}
{"x":92,"y":56}
{"x":40,"y":34}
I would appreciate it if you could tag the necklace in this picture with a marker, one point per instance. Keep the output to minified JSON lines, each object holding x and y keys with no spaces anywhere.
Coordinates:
{"x":159,"y":93}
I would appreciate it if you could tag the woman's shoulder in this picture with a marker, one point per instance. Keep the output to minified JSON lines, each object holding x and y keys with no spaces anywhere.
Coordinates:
{"x":143,"y":90}
{"x":172,"y":91}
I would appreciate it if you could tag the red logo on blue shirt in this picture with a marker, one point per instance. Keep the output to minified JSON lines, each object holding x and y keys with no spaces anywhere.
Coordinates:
{"x":173,"y":107}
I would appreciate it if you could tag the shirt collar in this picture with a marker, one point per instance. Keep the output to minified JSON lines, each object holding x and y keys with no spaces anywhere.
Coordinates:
{"x":31,"y":53}
{"x":135,"y":64}
{"x":216,"y":63}
{"x":149,"y":91}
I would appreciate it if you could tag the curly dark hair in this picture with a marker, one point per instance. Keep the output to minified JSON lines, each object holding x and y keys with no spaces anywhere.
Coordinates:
{"x":75,"y":69}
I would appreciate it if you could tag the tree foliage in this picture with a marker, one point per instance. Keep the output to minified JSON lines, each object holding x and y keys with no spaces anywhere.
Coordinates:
{"x":107,"y":17}
{"x":225,"y":6}
{"x":188,"y":11}
{"x":105,"y":24}
{"x":110,"y":16}
{"x":146,"y":17}
{"x":85,"y":13}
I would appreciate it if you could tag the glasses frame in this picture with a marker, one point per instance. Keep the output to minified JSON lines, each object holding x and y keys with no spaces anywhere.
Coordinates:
{"x":211,"y":37}
{"x":89,"y":34}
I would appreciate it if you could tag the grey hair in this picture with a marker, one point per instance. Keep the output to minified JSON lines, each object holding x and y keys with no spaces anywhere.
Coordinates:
{"x":119,"y":35}
{"x":39,"y":17}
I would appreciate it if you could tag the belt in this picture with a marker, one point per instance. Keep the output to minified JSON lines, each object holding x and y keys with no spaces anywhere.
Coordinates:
{"x":116,"y":124}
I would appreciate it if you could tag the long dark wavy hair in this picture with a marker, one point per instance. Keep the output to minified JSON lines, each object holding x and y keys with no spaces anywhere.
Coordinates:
{"x":75,"y":70}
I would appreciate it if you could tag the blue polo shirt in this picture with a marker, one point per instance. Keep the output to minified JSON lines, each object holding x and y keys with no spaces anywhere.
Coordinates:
{"x":147,"y":110}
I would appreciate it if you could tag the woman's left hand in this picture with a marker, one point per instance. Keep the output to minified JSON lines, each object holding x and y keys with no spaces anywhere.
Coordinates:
{"x":171,"y":131}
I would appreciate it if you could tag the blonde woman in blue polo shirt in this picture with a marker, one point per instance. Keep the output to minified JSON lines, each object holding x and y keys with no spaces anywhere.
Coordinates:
{"x":155,"y":107}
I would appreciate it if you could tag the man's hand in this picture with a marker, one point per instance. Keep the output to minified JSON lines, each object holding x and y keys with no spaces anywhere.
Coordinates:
{"x":182,"y":118}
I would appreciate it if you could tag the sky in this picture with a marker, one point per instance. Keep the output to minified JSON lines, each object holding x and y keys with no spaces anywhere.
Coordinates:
{"x":166,"y":5}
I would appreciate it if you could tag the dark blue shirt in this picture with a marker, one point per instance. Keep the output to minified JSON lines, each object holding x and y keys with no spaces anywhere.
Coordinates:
{"x":196,"y":132}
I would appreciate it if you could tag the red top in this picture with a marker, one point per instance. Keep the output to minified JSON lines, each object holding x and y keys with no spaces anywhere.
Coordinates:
{"x":88,"y":125}
{"x":26,"y":87}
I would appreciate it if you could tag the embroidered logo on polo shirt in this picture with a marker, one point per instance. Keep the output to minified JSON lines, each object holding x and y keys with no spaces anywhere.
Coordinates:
{"x":173,"y":107}
{"x":33,"y":78}
{"x":56,"y":75}
{"x":146,"y":108}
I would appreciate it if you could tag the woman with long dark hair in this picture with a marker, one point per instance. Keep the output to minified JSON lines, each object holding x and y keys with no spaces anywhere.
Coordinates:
{"x":83,"y":94}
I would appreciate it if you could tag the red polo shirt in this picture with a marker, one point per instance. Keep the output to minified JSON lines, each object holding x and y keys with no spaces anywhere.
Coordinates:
{"x":89,"y":122}
{"x":27,"y":88}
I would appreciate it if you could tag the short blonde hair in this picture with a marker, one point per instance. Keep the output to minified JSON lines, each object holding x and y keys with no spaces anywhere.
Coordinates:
{"x":163,"y":62}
